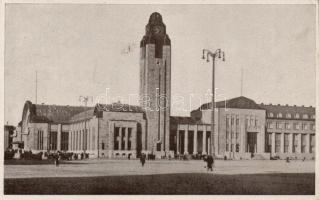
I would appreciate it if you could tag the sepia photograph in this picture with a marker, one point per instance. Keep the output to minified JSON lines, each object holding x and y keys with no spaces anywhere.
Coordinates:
{"x":159,"y":99}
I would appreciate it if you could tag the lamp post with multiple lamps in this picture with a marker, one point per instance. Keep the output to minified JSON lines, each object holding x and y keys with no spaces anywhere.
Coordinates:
{"x":218,"y":54}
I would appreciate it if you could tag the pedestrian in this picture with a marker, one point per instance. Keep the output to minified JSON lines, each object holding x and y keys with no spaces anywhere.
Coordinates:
{"x":142,"y":159}
{"x":129,"y":156}
{"x":56,"y":157}
{"x":210,"y":162}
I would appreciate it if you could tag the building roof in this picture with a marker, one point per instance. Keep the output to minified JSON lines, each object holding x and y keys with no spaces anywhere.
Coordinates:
{"x":118,"y":107}
{"x":238,"y":102}
{"x":82,"y":116}
{"x":184,"y":120}
{"x":52,"y":113}
{"x":286,"y":109}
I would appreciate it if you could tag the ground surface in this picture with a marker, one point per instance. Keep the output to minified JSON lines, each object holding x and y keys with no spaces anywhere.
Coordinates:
{"x":161,"y":177}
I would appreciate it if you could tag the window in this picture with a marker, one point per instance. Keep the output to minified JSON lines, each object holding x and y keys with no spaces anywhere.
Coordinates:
{"x":103,"y":145}
{"x":237,"y":120}
{"x":116,"y":138}
{"x":270,"y":115}
{"x":270,"y":125}
{"x":286,"y":142}
{"x":93,"y":138}
{"x":246,"y":120}
{"x":277,"y":142}
{"x":312,"y":127}
{"x":232,"y":134}
{"x":295,"y":143}
{"x":227,"y":120}
{"x":288,"y":115}
{"x":297,"y":116}
{"x":40,"y":140}
{"x":227,"y":147}
{"x":278,"y":125}
{"x":129,"y":144}
{"x":64,"y":141}
{"x":312,"y":143}
{"x":53,"y":141}
{"x":237,"y":135}
{"x":304,"y":126}
{"x":305,"y":116}
{"x":232,"y":120}
{"x":227,"y":134}
{"x":287,"y":125}
{"x":237,"y":147}
{"x":256,"y":122}
{"x":279,"y":115}
{"x":303,"y":143}
{"x":296,"y":126}
{"x":251,"y":121}
{"x":313,"y":116}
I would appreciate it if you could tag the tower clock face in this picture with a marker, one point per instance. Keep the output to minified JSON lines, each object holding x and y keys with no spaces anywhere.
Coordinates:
{"x":157,"y":30}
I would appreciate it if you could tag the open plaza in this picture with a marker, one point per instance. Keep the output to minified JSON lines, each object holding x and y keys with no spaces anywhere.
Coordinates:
{"x":101,"y":176}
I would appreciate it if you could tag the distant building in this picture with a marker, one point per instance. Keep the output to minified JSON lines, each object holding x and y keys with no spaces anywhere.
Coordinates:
{"x":8,"y":136}
{"x":243,"y":128}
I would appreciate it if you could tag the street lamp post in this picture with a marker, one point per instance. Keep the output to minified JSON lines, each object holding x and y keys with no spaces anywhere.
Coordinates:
{"x":220,"y":55}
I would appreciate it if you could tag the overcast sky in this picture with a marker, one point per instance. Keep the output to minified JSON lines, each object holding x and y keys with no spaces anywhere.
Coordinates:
{"x":76,"y":50}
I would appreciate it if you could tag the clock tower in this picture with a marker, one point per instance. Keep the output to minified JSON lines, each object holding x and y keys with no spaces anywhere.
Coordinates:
{"x":155,"y":85}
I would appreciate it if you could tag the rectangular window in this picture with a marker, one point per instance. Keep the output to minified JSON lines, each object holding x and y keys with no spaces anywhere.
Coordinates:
{"x":116,"y":138}
{"x":287,"y":125}
{"x":103,"y":146}
{"x":64,"y":141}
{"x":227,"y":147}
{"x":232,"y":120}
{"x":286,"y":142}
{"x":237,"y":147}
{"x":129,"y":138}
{"x":277,"y":142}
{"x":40,"y":140}
{"x":237,"y":120}
{"x":256,"y":122}
{"x":53,"y":141}
{"x":295,"y":143}
{"x":303,"y":143}
{"x":296,"y":126}
{"x":93,"y":138}
{"x":237,"y":135}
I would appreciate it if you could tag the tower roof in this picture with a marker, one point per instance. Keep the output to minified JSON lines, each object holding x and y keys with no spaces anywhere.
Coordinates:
{"x":155,"y":18}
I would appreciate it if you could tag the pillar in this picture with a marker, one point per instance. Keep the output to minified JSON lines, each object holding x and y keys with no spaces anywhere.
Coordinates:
{"x":186,"y":141}
{"x":177,"y":140}
{"x":282,"y":142}
{"x":307,"y":143}
{"x":81,"y":140}
{"x":204,"y":141}
{"x":273,"y":143}
{"x":195,"y":140}
{"x":290,"y":142}
{"x":126,"y":138}
{"x":120,"y":138}
{"x":133,"y":138}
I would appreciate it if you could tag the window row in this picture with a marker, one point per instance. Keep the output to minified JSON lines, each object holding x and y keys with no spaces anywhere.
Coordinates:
{"x":288,"y":115}
{"x":287,"y":125}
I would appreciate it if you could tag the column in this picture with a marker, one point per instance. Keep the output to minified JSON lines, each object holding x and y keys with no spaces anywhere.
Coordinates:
{"x":299,"y":143}
{"x":177,"y":140}
{"x":195,"y":140}
{"x":290,"y":142}
{"x":307,"y":143}
{"x":204,"y":141}
{"x":81,"y":139}
{"x":120,"y":138}
{"x":126,"y":138}
{"x":186,"y":141}
{"x":282,"y":142}
{"x":133,"y":138}
{"x":273,"y":143}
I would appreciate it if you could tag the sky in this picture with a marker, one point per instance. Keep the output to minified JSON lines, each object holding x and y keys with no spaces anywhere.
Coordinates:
{"x":78,"y":50}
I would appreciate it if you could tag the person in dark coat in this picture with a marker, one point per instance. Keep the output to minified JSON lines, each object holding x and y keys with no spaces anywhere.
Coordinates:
{"x":142,"y":159}
{"x":210,"y":162}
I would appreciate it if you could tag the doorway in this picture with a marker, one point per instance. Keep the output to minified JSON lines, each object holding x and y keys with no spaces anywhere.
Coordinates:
{"x":251,"y":142}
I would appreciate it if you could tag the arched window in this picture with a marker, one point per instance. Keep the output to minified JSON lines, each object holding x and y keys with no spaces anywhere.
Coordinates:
{"x":279,"y":115}
{"x":305,"y":116}
{"x":288,"y":115}
{"x":297,"y":115}
{"x":271,"y":114}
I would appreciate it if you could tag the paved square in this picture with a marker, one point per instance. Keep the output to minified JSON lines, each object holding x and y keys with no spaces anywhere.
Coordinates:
{"x":89,"y":168}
